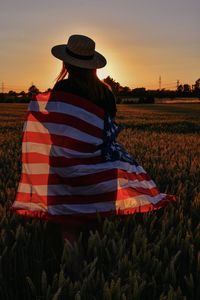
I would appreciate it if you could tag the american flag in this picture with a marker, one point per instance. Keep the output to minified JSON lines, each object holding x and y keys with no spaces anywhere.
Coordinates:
{"x":72,"y":165}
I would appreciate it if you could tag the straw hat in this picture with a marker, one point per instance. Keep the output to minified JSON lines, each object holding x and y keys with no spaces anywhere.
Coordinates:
{"x":80,"y":52}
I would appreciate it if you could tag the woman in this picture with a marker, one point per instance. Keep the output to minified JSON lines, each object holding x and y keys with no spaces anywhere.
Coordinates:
{"x":73,"y":168}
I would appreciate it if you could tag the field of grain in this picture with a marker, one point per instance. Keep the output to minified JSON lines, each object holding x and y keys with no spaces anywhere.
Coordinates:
{"x":144,"y":256}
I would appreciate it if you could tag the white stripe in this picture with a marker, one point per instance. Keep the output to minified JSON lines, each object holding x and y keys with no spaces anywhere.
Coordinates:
{"x":94,"y":189}
{"x":38,"y":106}
{"x":138,"y":201}
{"x":81,"y":170}
{"x":38,"y":169}
{"x":33,"y":189}
{"x":29,"y":206}
{"x":24,"y":126}
{"x":60,"y":107}
{"x":63,"y":130}
{"x":28,"y":147}
{"x":70,"y":209}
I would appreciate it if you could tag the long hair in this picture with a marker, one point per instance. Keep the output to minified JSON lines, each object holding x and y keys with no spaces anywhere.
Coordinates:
{"x":62,"y":74}
{"x":86,"y":82}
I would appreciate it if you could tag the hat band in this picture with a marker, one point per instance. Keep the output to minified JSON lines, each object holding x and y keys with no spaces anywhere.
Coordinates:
{"x":83,"y":57}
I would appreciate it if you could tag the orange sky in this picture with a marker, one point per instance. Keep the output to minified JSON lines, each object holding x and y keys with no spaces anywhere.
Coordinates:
{"x":140,"y":39}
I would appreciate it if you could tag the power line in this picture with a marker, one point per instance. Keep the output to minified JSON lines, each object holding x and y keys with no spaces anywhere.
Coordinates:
{"x":162,"y":85}
{"x":159,"y":82}
{"x":18,"y":88}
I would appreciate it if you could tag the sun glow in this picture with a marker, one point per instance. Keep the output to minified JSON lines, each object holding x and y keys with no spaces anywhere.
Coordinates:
{"x":102,"y":73}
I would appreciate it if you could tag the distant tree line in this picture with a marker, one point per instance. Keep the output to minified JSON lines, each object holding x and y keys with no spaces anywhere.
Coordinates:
{"x":21,"y":97}
{"x":148,"y":96}
{"x":123,"y":93}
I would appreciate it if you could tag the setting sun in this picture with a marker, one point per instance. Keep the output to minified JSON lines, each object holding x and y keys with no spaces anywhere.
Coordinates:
{"x":102,"y":73}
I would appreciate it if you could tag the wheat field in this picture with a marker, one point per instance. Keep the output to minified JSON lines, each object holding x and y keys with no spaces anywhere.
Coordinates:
{"x":145,"y":256}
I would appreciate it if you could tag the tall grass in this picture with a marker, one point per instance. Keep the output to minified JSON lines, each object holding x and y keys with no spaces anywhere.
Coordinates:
{"x":144,"y":256}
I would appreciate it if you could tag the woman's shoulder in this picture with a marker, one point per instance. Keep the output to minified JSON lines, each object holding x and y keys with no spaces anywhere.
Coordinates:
{"x":65,"y":85}
{"x":109,"y":101}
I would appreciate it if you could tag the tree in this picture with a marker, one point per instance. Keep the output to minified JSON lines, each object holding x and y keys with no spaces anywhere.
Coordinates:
{"x":125,"y":90}
{"x":22,"y":94}
{"x":33,"y":90}
{"x":115,"y":86}
{"x":186,"y":88}
{"x":197,"y":87}
{"x":12,"y":93}
{"x":197,"y":84}
{"x":180,"y":89}
{"x":138,"y":92}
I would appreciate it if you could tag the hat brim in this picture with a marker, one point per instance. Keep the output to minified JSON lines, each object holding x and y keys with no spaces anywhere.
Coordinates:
{"x":96,"y":62}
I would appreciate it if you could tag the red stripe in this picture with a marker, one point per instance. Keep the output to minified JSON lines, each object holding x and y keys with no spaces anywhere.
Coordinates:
{"x":61,"y":118}
{"x":58,"y":140}
{"x":41,"y":97}
{"x":43,"y":179}
{"x":72,"y":99}
{"x":118,"y":195}
{"x":59,"y":161}
{"x":81,"y":218}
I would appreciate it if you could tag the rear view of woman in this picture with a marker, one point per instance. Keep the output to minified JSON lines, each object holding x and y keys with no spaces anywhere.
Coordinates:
{"x":72,"y":165}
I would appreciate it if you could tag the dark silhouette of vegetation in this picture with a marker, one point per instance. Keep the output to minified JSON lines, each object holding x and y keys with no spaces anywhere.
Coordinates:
{"x":33,"y":90}
{"x":21,"y":97}
{"x":126,"y":95}
{"x":123,"y":94}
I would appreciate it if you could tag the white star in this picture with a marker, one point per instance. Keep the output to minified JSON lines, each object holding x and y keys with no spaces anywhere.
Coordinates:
{"x":108,"y":133}
{"x":108,"y":157}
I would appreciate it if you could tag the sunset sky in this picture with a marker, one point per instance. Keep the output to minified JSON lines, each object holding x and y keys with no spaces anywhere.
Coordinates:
{"x":141,"y":40}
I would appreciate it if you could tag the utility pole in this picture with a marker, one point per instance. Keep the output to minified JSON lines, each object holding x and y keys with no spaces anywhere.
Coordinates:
{"x":177,"y":84}
{"x":159,"y":83}
{"x":2,"y":87}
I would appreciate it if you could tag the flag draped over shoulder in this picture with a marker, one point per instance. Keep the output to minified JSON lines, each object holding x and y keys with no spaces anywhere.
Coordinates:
{"x":72,"y":165}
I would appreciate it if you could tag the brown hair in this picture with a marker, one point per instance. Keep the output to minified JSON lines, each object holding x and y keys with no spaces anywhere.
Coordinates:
{"x":86,"y":82}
